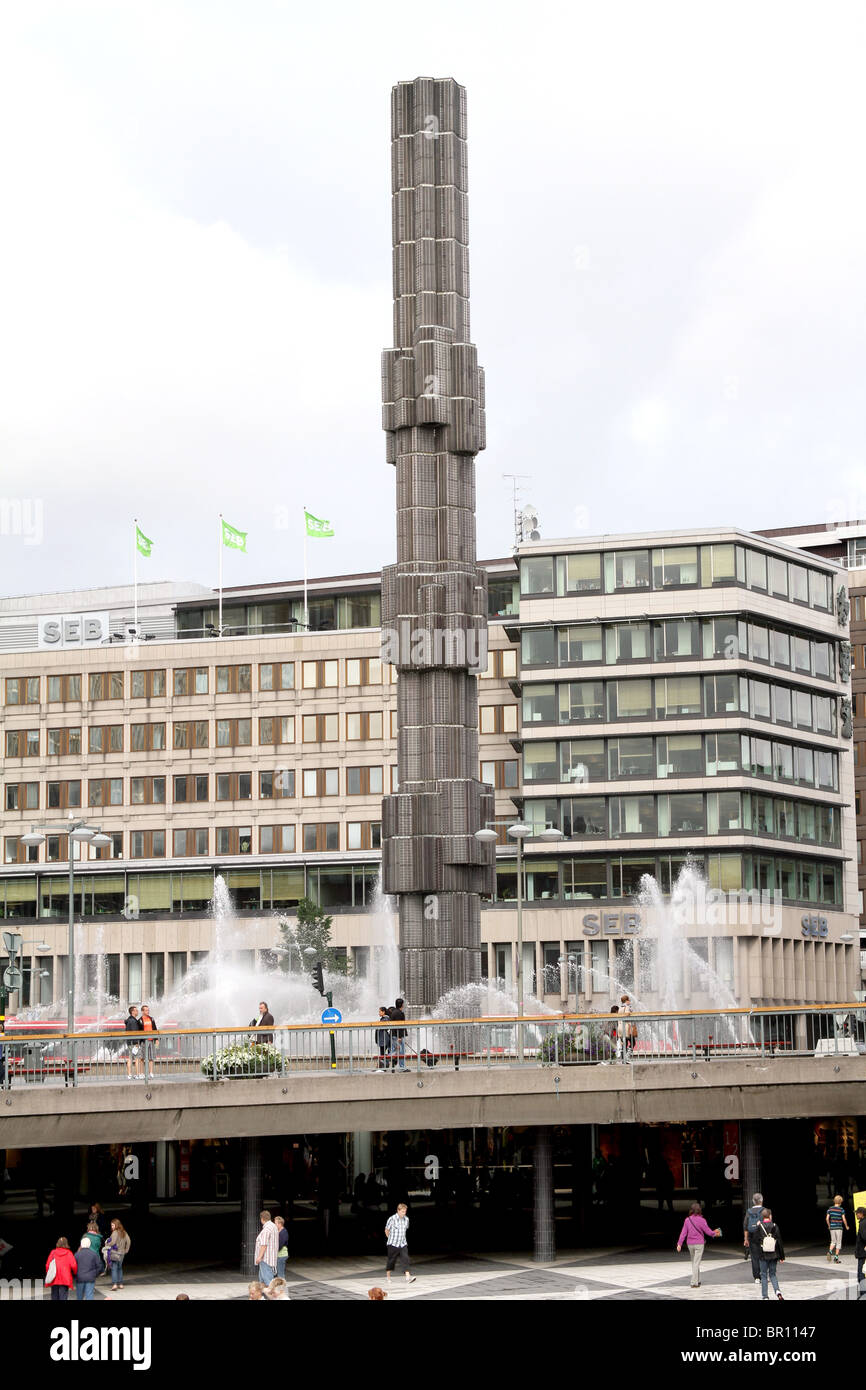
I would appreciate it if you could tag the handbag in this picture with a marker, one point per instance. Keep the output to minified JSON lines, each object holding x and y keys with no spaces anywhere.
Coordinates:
{"x":51,"y":1272}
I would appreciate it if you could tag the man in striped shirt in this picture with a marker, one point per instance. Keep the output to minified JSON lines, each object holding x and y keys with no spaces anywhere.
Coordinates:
{"x":398,"y":1250}
{"x":267,"y":1248}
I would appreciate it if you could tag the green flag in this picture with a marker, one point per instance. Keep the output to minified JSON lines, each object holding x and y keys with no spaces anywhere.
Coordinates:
{"x":142,"y":543}
{"x":320,"y":530}
{"x":235,"y":540}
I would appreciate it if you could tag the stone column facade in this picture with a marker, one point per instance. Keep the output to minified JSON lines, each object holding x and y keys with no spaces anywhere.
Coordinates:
{"x":434,"y":600}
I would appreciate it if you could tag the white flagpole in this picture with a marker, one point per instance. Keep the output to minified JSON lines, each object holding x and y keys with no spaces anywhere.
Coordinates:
{"x":135,"y":573}
{"x":220,"y":525}
{"x":306,"y":608}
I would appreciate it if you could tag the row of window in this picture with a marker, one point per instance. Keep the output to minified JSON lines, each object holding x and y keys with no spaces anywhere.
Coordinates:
{"x":619,"y":876}
{"x":676,"y":697}
{"x":187,"y":843}
{"x":585,"y":760}
{"x":165,"y":892}
{"x":675,"y":639}
{"x":196,"y":680}
{"x":325,"y":613}
{"x":590,"y":969}
{"x":687,"y":813}
{"x":676,"y":567}
{"x":273,"y":730}
{"x":196,"y":787}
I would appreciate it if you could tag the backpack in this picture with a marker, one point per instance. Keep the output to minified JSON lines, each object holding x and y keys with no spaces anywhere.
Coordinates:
{"x":753,"y":1220}
{"x":768,"y":1244}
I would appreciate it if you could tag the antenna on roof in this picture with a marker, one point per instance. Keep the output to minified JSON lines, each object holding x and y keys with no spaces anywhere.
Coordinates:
{"x":522,"y":532}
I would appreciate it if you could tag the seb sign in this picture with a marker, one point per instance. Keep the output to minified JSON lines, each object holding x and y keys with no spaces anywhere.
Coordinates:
{"x":611,"y":923}
{"x":73,"y":630}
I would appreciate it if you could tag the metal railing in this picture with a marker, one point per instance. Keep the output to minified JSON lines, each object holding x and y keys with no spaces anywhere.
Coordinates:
{"x":209,"y":1054}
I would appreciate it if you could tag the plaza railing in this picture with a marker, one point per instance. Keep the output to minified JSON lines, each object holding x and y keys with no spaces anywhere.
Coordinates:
{"x":220,"y":1054}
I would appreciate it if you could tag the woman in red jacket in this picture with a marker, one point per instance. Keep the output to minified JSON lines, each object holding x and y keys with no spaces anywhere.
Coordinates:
{"x":65,"y":1269}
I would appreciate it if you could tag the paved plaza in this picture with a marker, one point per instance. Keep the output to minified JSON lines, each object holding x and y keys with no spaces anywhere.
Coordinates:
{"x":608,"y":1275}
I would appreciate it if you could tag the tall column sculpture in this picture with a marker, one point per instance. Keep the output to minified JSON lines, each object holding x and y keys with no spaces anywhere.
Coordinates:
{"x":434,"y":600}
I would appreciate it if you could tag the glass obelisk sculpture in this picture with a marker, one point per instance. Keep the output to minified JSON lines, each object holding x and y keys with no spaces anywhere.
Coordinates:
{"x":434,"y":600}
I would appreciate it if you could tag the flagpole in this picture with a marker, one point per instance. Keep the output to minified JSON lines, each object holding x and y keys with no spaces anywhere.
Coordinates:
{"x":220,"y":543}
{"x":135,"y":574}
{"x":306,"y":609}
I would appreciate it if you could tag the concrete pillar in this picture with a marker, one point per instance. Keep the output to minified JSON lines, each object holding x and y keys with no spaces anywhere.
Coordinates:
{"x":251,"y":1202}
{"x":750,"y":1160}
{"x":543,"y":1229}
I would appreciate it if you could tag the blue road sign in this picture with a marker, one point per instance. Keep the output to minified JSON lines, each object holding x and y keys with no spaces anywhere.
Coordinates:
{"x":332,"y":1016}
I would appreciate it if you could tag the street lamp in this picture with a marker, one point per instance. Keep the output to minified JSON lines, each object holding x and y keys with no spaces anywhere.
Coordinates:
{"x":82,"y":833}
{"x":519,"y":831}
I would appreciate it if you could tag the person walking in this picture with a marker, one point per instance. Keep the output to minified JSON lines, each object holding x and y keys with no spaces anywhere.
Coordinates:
{"x":837,"y":1222}
{"x":751,"y":1239}
{"x":860,"y":1248}
{"x":398,"y":1037}
{"x":383,"y":1041}
{"x":264,"y":1020}
{"x":89,"y":1268}
{"x":397,"y":1245}
{"x":60,"y":1269}
{"x":282,"y":1246}
{"x":771,"y":1253}
{"x":132,"y":1024}
{"x":694,"y":1234}
{"x":93,"y":1239}
{"x":114,"y":1253}
{"x":149,"y":1028}
{"x":267,"y":1249}
{"x":629,"y":1030}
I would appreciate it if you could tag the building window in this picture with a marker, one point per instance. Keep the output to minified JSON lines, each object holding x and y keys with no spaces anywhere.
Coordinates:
{"x":363,"y":835}
{"x":322,"y":837}
{"x":147,"y":737}
{"x":626,"y":570}
{"x":114,"y":850}
{"x":234,"y":839}
{"x":277,"y":675}
{"x":22,"y":690}
{"x":147,"y":791}
{"x":277,"y":784}
{"x":501,"y":664}
{"x":22,"y":796}
{"x":234,"y":680}
{"x":536,"y":575}
{"x":62,"y":689}
{"x":147,"y":685}
{"x":105,"y":738}
{"x":191,"y":680}
{"x":191,"y":787}
{"x":675,"y":567}
{"x":499,"y":774}
{"x":364,"y":670}
{"x":321,"y":781}
{"x":276,"y":729}
{"x":105,"y":791}
{"x":496,"y":719}
{"x":321,"y":728}
{"x":188,"y":843}
{"x":105,"y":685}
{"x":61,"y":795}
{"x":364,"y":781}
{"x":234,"y":786}
{"x":233,"y":733}
{"x":16,"y":853}
{"x":147,"y":844}
{"x":64,"y":742}
{"x":364,"y":726}
{"x":22,"y":743}
{"x":318,"y":674}
{"x":191,"y":734}
{"x":276,"y":839}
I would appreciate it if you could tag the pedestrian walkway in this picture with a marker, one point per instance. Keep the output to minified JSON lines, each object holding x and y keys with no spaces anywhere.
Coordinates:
{"x":618,"y":1274}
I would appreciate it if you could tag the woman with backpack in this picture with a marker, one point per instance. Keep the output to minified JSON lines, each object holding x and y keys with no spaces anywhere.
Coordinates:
{"x":115,"y":1252}
{"x":694,"y":1234}
{"x":770,"y":1251}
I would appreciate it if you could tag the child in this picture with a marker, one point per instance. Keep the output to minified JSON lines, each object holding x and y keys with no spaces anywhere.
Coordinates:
{"x":836,"y":1221}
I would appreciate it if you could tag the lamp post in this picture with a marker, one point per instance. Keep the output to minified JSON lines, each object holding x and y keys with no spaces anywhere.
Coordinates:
{"x":519,"y":831}
{"x":82,"y":833}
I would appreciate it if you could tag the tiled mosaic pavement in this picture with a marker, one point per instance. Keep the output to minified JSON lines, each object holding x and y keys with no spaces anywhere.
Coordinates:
{"x":584,"y":1275}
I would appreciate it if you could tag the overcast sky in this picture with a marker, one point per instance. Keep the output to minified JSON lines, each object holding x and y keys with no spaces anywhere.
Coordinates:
{"x":667,"y":233}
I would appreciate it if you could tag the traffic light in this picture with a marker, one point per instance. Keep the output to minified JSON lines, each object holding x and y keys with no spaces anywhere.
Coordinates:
{"x":318,"y":978}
